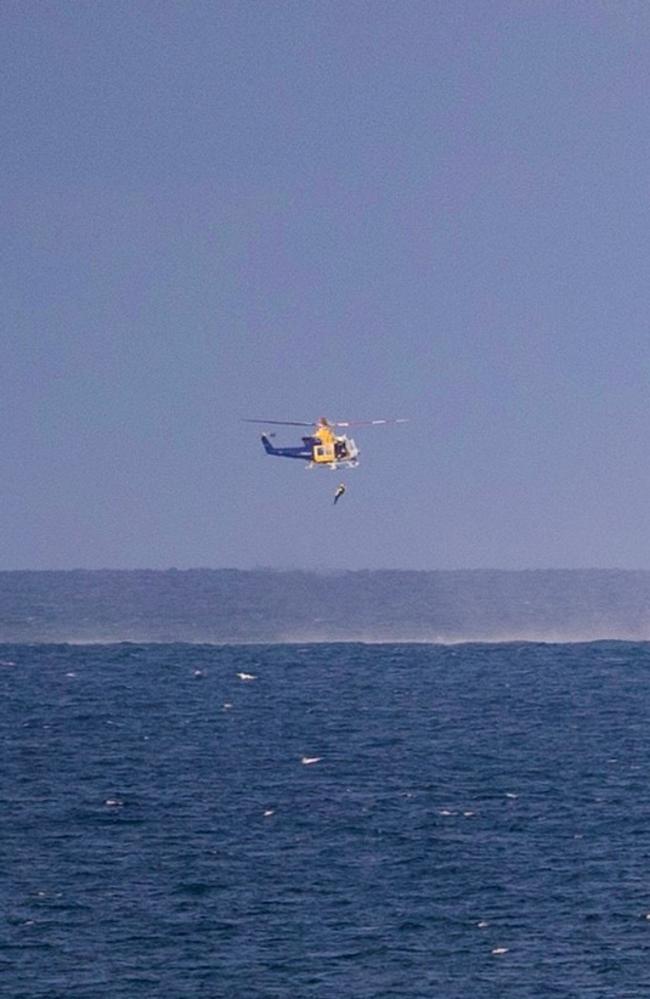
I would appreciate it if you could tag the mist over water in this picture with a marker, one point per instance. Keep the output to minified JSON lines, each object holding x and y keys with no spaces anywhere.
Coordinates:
{"x":231,"y":606}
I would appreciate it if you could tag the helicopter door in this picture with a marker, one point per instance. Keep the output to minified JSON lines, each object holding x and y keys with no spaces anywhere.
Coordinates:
{"x":323,"y":453}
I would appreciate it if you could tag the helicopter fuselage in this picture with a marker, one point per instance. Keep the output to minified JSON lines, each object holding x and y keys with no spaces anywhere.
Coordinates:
{"x":326,"y":449}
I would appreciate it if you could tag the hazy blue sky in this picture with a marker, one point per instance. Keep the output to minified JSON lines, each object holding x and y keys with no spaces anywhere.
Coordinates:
{"x":433,"y":210}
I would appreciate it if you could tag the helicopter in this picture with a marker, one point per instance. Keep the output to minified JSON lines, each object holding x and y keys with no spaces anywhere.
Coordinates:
{"x":323,"y":447}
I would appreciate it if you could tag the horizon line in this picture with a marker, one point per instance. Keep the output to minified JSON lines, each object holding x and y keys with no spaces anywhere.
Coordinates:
{"x":325,"y":570}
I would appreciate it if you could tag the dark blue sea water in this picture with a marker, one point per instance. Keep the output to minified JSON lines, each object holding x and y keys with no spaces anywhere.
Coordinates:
{"x":476,"y":823}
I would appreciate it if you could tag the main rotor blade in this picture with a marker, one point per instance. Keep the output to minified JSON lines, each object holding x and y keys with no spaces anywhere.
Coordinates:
{"x":280,"y":423}
{"x":367,"y":423}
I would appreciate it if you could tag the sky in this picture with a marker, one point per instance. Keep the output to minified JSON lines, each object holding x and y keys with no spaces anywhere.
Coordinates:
{"x":434,"y":211}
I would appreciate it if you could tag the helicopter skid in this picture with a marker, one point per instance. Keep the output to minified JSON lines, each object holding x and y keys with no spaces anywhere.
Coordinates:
{"x":352,"y":463}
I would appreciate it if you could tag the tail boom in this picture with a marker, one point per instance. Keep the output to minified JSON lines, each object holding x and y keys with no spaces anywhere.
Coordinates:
{"x":301,"y":453}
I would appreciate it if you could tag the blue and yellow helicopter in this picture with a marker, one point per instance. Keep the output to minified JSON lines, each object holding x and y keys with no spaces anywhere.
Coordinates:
{"x":323,"y":446}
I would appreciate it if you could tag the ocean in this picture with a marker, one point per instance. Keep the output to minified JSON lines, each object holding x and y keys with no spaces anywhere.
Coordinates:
{"x":347,"y":821}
